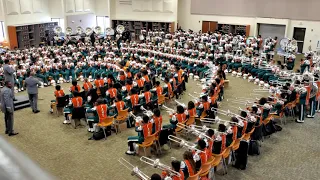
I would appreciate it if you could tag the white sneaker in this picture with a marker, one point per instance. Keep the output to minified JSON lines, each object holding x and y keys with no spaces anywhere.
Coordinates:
{"x":65,"y":122}
{"x":89,"y":129}
{"x":19,"y":90}
{"x":300,"y":121}
{"x":130,"y":152}
{"x":309,"y":116}
{"x":22,"y":89}
{"x":51,"y":111}
{"x":68,"y":121}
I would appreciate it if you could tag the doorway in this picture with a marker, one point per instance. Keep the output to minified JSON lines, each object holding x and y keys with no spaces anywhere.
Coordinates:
{"x":209,"y":26}
{"x":298,"y":35}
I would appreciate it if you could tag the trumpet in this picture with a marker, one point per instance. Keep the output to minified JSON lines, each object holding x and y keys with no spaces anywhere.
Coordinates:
{"x":184,"y":143}
{"x":193,"y":130}
{"x":146,"y":112}
{"x":135,"y":170}
{"x":157,"y":164}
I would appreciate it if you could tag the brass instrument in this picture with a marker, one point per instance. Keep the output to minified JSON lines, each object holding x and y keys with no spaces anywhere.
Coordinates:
{"x":183,"y":143}
{"x":135,"y":170}
{"x":157,"y":164}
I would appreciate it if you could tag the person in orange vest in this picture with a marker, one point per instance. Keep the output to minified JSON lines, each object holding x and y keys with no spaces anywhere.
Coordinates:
{"x":75,"y":87}
{"x":191,"y":109}
{"x":175,"y":165}
{"x":146,"y":77}
{"x":129,"y":85}
{"x":119,"y":103}
{"x":179,"y":117}
{"x":100,"y":111}
{"x":128,"y":73}
{"x":201,"y":157}
{"x":159,"y":89}
{"x":220,"y":141}
{"x":188,"y":165}
{"x":122,"y":78}
{"x":134,"y":98}
{"x":157,"y":120}
{"x":140,"y":81}
{"x":112,"y":92}
{"x":169,"y":86}
{"x":87,"y":85}
{"x":110,"y":80}
{"x":99,"y":82}
{"x":144,"y":130}
{"x":78,"y":111}
{"x":203,"y":106}
{"x":57,"y":93}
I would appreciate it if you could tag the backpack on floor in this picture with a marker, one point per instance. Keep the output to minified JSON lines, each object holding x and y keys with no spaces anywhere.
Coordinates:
{"x":254,"y":148}
{"x":242,"y":155}
{"x":100,"y":135}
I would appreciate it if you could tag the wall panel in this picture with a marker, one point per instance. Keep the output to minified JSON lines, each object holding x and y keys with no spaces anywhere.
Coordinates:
{"x":25,"y":6}
{"x":12,"y":7}
{"x":37,"y":6}
{"x":283,"y":9}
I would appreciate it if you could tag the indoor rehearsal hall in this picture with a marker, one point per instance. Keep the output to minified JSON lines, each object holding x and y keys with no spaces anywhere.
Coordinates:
{"x":159,"y":90}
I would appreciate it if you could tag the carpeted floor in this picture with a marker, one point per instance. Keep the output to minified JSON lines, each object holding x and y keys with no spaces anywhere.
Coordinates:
{"x":293,"y":153}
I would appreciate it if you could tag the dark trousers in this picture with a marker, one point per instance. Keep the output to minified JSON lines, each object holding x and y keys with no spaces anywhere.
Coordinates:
{"x":33,"y":98}
{"x":8,"y":119}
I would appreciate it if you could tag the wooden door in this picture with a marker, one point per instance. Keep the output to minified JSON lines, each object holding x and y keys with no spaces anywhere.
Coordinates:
{"x":213,"y":26}
{"x":247,"y":30}
{"x":12,"y":37}
{"x":205,"y":26}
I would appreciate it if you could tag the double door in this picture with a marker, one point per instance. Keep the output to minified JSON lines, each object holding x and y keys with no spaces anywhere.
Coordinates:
{"x":209,"y":26}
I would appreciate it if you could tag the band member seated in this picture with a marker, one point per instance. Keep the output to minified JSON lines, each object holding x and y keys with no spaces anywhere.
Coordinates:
{"x":98,"y":108}
{"x":157,"y":120}
{"x":140,"y":82}
{"x":133,"y":99}
{"x":57,"y":93}
{"x":191,"y":109}
{"x":78,"y":111}
{"x":111,"y":93}
{"x":159,"y":89}
{"x":175,"y":165}
{"x":179,"y":117}
{"x":122,"y":78}
{"x":188,"y":165}
{"x":147,"y":97}
{"x":202,"y":156}
{"x":168,"y":85}
{"x":144,"y":130}
{"x":119,"y":104}
{"x":220,"y":141}
{"x":203,"y":106}
{"x":75,"y":87}
{"x":87,"y":85}
{"x":145,"y":77}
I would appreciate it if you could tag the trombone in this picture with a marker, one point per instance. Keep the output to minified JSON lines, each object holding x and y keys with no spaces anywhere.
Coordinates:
{"x":183,"y":143}
{"x":179,"y":103}
{"x":157,"y":164}
{"x":146,"y":112}
{"x":169,"y":110}
{"x":135,"y":170}
{"x":217,"y":120}
{"x":193,"y":130}
{"x":228,"y":113}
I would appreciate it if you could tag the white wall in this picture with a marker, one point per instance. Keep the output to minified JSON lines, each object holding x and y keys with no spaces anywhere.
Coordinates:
{"x":102,"y":7}
{"x":56,"y":8}
{"x":145,"y":10}
{"x":25,"y":11}
{"x":83,"y":20}
{"x":189,"y":21}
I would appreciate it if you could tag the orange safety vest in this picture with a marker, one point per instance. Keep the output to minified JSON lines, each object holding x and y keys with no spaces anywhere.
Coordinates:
{"x":180,"y":78}
{"x":245,"y":124}
{"x":59,"y":93}
{"x":181,"y":117}
{"x":112,"y":92}
{"x":169,"y":88}
{"x":140,"y":83}
{"x":99,"y":83}
{"x":120,"y":105}
{"x":128,"y":87}
{"x":109,"y":81}
{"x":146,"y":78}
{"x":235,"y":131}
{"x":77,"y":102}
{"x":157,"y":123}
{"x":159,"y":91}
{"x":174,"y":83}
{"x":122,"y":77}
{"x":129,"y":75}
{"x":223,"y":142}
{"x":102,"y":111}
{"x":189,"y":167}
{"x":192,"y":112}
{"x":206,"y":105}
{"x":134,"y":99}
{"x":87,"y":86}
{"x":73,"y":88}
{"x":147,"y":129}
{"x":147,"y":96}
{"x":318,"y":93}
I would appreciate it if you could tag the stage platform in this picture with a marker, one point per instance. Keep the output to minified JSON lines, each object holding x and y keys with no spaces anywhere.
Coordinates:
{"x":23,"y":102}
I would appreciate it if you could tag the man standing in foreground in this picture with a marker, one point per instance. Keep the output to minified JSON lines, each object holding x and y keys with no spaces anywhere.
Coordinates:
{"x":31,"y":85}
{"x":7,"y":107}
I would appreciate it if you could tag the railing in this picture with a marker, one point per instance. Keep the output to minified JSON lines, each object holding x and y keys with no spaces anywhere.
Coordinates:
{"x":14,"y":165}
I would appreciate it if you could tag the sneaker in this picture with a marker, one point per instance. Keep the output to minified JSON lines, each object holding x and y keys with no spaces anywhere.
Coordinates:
{"x":68,"y":121}
{"x":299,"y":121}
{"x":130,"y":153}
{"x":89,"y":129}
{"x":19,"y":90}
{"x":309,"y":116}
{"x":51,"y":111}
{"x":22,"y":89}
{"x":65,"y":122}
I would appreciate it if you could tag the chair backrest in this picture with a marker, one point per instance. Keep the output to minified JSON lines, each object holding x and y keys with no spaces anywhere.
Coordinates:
{"x":107,"y":120}
{"x":123,"y":113}
{"x":195,"y":177}
{"x":191,"y":120}
{"x":161,"y":98}
{"x":206,"y":166}
{"x":149,"y":139}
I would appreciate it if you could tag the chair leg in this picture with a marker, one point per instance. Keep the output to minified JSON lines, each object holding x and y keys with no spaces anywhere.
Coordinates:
{"x":159,"y":146}
{"x":144,"y":149}
{"x":104,"y":132}
{"x":225,"y":165}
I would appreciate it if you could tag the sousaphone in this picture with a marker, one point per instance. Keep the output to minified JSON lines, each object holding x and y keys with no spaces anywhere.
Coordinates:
{"x":79,"y":30}
{"x":120,"y":29}
{"x":109,"y":31}
{"x":89,"y":31}
{"x":97,"y":30}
